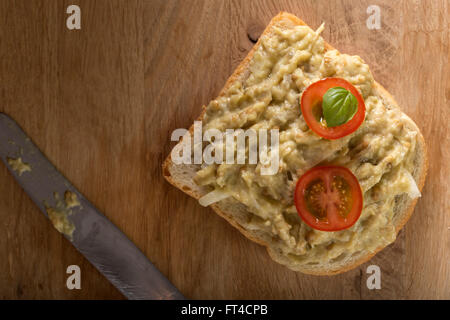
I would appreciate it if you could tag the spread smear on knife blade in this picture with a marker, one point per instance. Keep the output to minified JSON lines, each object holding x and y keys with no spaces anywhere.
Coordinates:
{"x":59,"y":214}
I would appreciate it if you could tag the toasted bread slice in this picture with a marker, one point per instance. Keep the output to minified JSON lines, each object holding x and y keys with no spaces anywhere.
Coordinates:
{"x":182,"y":176}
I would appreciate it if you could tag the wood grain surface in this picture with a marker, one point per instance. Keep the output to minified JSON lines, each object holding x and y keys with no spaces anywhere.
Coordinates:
{"x":101,"y":103}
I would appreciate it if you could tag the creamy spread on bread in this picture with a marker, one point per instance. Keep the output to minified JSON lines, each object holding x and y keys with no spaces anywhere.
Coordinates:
{"x":380,"y":153}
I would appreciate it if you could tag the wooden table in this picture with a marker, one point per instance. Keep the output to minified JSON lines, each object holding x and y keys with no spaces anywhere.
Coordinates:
{"x":101,"y":103}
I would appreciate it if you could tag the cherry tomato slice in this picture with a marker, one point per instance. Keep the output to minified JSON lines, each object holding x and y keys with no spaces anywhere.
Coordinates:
{"x":329,"y":198}
{"x":311,"y":106}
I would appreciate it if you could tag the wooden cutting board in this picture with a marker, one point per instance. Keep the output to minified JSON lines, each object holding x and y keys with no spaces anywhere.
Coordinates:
{"x":102,"y":102}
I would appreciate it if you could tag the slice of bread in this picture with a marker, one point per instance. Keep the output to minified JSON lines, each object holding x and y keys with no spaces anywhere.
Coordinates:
{"x":182,"y":176}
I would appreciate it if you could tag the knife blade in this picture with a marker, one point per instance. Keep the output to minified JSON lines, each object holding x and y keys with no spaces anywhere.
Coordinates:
{"x":90,"y":232}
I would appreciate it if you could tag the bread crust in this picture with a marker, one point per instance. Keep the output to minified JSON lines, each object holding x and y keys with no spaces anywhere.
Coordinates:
{"x":404,"y":214}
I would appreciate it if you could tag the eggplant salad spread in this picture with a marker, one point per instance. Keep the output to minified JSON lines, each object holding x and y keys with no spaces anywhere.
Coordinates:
{"x":345,"y":153}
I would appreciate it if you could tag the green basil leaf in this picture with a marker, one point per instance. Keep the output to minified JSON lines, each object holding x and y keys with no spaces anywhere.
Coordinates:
{"x":338,"y":106}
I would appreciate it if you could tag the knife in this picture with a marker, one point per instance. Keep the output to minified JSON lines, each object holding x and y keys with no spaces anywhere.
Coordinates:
{"x":90,"y":232}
